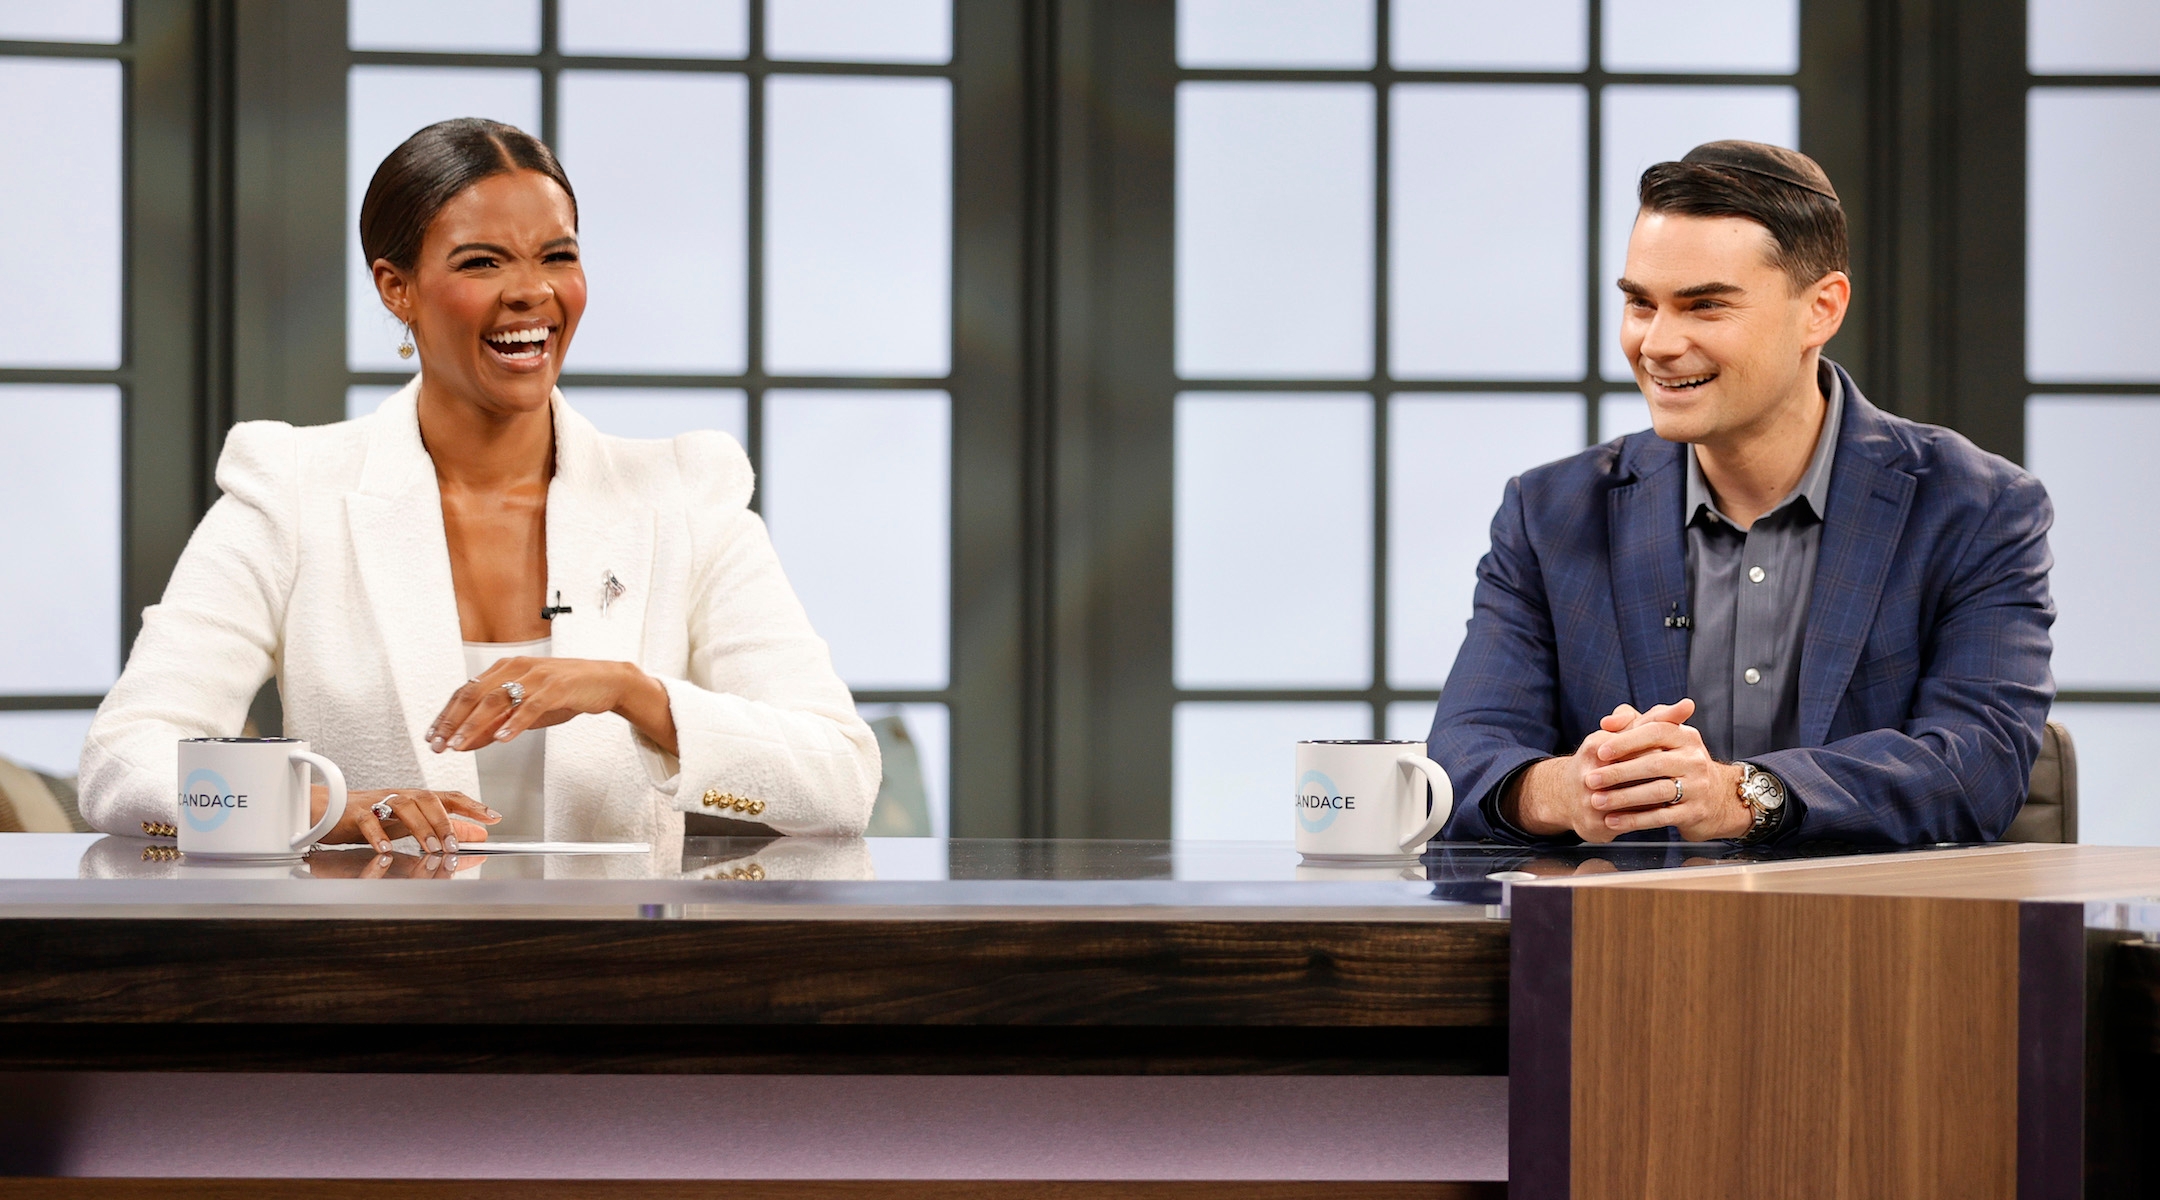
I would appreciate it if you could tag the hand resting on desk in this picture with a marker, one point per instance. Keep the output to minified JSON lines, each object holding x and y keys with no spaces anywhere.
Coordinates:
{"x":437,"y":821}
{"x":1621,"y":779}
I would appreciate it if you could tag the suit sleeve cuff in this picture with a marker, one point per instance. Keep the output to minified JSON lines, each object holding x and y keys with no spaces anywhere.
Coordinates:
{"x":1509,"y":830}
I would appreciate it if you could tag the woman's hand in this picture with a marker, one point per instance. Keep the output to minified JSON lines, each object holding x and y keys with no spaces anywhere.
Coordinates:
{"x":366,"y":864}
{"x":436,"y":820}
{"x":555,"y":690}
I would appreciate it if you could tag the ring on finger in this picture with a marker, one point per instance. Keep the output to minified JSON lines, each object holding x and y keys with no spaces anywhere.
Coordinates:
{"x":516,"y":692}
{"x":1679,"y":793}
{"x":381,"y":808}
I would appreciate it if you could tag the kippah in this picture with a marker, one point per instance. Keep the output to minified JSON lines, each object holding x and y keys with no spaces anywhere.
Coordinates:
{"x":1771,"y":162}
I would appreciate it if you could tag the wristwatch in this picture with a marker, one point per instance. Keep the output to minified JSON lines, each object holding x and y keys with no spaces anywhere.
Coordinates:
{"x":1764,"y":794}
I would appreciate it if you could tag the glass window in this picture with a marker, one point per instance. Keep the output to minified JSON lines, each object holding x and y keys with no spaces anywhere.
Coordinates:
{"x":1621,"y":413}
{"x":59,"y":21}
{"x":647,"y":412}
{"x":1645,"y":125}
{"x":475,"y":26}
{"x":386,"y":106}
{"x":858,"y":492}
{"x":858,"y":226}
{"x":2095,"y":455}
{"x":929,"y":728}
{"x":45,"y":740}
{"x":1410,"y":720}
{"x":60,"y":614}
{"x":1485,"y":254}
{"x":661,"y":218}
{"x":1449,"y":460}
{"x":1234,"y":764}
{"x":1709,"y":36}
{"x":1275,"y":33}
{"x":60,"y":271}
{"x":362,"y":399}
{"x":665,"y":28}
{"x":1273,"y":541}
{"x":2115,"y":788}
{"x":894,"y":31}
{"x":1274,"y":230}
{"x":2092,"y":247}
{"x":1467,"y":35}
{"x":2092,"y":37}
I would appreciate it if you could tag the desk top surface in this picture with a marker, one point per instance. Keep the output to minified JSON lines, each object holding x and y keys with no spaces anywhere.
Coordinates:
{"x":91,"y":875}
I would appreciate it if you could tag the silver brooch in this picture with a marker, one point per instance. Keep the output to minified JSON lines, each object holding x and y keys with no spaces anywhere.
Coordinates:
{"x":610,"y":588}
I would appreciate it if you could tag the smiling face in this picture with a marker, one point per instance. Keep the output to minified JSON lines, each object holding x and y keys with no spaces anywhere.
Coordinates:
{"x":495,"y":294}
{"x":1723,"y":344}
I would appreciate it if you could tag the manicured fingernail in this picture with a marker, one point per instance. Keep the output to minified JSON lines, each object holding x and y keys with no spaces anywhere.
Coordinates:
{"x":450,"y":845}
{"x":502,"y":735}
{"x":432,"y":861}
{"x":458,"y":742}
{"x":434,"y":845}
{"x":493,"y":815}
{"x":438,"y":744}
{"x":384,"y":847}
{"x":384,"y":861}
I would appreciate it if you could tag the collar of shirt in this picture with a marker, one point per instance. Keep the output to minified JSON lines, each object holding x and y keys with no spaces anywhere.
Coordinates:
{"x":1814,"y":485}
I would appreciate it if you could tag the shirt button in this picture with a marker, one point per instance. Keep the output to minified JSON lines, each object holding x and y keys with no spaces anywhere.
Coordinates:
{"x":1752,"y":675}
{"x":1755,"y":573}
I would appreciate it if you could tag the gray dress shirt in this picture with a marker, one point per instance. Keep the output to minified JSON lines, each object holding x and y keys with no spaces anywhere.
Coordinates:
{"x":1748,"y":604}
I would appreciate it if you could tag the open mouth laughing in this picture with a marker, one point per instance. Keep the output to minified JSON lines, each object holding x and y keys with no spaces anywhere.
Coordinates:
{"x":521,"y":346}
{"x":1682,"y":383}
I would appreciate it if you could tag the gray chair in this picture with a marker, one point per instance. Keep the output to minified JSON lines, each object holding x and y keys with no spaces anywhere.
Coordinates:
{"x":2051,"y":801}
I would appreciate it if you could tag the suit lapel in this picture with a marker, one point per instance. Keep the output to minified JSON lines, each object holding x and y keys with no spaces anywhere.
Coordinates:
{"x":1649,"y":573}
{"x":395,"y":519}
{"x":1868,"y":504}
{"x":596,"y":530}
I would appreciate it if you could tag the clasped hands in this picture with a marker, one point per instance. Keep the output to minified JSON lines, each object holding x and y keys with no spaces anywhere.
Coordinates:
{"x":480,"y":713}
{"x":1621,"y":779}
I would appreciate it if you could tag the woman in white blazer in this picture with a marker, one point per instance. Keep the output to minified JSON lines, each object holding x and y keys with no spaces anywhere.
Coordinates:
{"x":488,"y":613}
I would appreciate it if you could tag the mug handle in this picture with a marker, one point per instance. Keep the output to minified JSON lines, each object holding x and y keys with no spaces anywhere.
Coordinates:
{"x":1443,"y":800}
{"x":335,"y":779}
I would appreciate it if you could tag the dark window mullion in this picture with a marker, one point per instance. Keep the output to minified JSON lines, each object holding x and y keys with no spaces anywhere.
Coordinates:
{"x":1383,"y":387}
{"x":754,"y":382}
{"x":1594,"y":80}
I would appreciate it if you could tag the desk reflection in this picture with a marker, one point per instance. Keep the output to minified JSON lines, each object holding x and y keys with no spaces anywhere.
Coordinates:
{"x":726,"y":859}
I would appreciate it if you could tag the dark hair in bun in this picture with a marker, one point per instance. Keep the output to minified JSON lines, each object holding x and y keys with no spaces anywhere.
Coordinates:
{"x":430,"y":168}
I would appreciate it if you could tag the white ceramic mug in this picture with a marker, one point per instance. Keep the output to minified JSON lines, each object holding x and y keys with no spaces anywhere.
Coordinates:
{"x":1366,"y":799}
{"x":247,"y":798}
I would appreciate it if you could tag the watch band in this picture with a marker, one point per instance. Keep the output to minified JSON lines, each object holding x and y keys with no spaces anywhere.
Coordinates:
{"x":1768,"y":819}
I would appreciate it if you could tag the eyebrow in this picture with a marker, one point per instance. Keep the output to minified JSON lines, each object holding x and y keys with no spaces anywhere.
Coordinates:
{"x":490,"y":246}
{"x":1693,"y":292}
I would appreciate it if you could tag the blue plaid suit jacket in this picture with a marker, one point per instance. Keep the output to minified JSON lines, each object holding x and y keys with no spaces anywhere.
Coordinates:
{"x":1924,"y":680}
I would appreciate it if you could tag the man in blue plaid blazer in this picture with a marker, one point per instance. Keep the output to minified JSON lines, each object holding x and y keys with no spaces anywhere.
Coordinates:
{"x":1895,"y":694}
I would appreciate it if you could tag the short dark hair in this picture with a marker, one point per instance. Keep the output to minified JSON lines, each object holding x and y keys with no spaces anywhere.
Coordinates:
{"x":1807,"y":227}
{"x":430,"y":168}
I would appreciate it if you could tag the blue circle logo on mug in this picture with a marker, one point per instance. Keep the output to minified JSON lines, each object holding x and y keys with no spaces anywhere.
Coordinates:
{"x":1319,"y":802}
{"x":206,"y":800}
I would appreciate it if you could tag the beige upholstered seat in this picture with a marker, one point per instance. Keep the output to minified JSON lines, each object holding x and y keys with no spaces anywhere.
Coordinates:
{"x":2051,"y":800}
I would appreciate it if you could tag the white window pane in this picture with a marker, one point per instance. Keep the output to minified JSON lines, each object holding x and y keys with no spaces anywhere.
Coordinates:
{"x":929,"y":726}
{"x":2095,"y":454}
{"x":662,"y":219}
{"x":900,"y":31}
{"x":60,"y":614}
{"x":1477,"y":35}
{"x":1274,"y":230}
{"x":1622,"y":413}
{"x":1273,"y":541}
{"x":1647,"y":125}
{"x":386,"y":105}
{"x":662,"y":412}
{"x":858,"y":226}
{"x":1486,"y":259}
{"x":1722,"y":36}
{"x":362,"y":399}
{"x":482,"y":26}
{"x":1275,"y":33}
{"x":1449,"y":460}
{"x":2092,"y":37}
{"x":1234,"y":764}
{"x":60,"y":21}
{"x":2092,"y":247}
{"x":858,"y":493}
{"x":1410,"y":720}
{"x":668,"y":28}
{"x":50,"y":742}
{"x":2118,"y":804}
{"x":60,"y":266}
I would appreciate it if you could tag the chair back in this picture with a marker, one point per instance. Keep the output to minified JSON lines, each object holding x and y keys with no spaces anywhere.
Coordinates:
{"x":2051,"y":800}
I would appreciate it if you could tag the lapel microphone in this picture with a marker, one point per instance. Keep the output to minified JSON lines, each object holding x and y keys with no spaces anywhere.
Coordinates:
{"x":554,"y":610}
{"x":1675,"y":621}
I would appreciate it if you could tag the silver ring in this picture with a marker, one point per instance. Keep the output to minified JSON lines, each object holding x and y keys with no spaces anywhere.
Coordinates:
{"x":1678,"y":792}
{"x":517,"y":692}
{"x":381,"y":808}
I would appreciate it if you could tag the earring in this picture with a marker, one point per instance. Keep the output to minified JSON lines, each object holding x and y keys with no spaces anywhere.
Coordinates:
{"x":405,"y":347}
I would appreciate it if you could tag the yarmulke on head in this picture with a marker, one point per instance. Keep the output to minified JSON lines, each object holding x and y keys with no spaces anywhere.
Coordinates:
{"x":1771,"y":162}
{"x":1782,"y":190}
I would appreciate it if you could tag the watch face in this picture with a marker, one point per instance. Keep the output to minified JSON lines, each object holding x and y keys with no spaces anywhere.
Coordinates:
{"x":1763,"y":791}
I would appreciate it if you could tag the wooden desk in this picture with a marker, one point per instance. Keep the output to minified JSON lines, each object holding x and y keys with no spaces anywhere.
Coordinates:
{"x":1901,"y":1026}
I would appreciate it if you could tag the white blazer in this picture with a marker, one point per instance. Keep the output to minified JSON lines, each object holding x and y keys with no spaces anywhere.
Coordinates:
{"x":325,"y":561}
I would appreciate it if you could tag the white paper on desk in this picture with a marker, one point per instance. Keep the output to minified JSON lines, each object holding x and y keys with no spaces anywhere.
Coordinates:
{"x":532,"y":847}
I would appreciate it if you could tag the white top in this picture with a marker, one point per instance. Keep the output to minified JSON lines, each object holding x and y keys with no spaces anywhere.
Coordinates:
{"x":512,"y":772}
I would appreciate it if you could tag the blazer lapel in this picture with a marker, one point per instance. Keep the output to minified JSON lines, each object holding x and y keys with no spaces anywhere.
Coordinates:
{"x":597,"y":531}
{"x":1868,"y":504}
{"x":395,"y":518}
{"x":1649,"y":573}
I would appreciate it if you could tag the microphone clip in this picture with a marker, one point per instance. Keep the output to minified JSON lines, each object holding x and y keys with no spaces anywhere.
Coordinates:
{"x":558,"y":608}
{"x":1675,"y":621}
